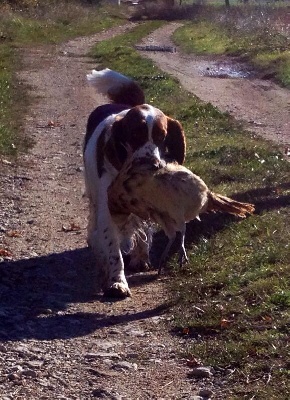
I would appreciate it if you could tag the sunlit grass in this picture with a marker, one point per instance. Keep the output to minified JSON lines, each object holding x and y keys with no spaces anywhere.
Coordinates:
{"x":233,"y":302}
{"x":27,"y":30}
{"x":11,"y":138}
{"x":202,"y":37}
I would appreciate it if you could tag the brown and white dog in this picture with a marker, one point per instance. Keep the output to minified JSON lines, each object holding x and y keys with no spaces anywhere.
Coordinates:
{"x":113,"y":130}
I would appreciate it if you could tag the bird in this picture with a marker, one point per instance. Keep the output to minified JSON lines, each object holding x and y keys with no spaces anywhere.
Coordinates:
{"x":169,"y":195}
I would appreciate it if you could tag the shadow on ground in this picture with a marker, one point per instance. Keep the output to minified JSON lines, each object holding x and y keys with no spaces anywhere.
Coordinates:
{"x":39,"y":296}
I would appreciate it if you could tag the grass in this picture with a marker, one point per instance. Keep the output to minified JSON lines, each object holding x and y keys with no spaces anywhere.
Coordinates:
{"x":258,"y":35}
{"x":13,"y":100}
{"x":232,"y":299}
{"x":5,"y":96}
{"x":29,"y":25}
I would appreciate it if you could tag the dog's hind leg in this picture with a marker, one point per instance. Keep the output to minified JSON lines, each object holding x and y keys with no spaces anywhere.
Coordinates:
{"x":139,"y":256}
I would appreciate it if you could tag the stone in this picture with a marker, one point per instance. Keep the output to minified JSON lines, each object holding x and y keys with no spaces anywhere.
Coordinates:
{"x":207,"y":393}
{"x":201,"y":372}
{"x":30,"y":373}
{"x":125,"y":365}
{"x":135,"y":332}
{"x":102,"y":355}
{"x":35,"y":363}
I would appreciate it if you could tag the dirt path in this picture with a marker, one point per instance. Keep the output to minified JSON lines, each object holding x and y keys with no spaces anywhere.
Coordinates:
{"x":57,"y":338}
{"x":263,"y":106}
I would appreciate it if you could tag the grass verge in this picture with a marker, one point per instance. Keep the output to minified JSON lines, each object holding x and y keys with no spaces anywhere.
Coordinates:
{"x":232,"y":299}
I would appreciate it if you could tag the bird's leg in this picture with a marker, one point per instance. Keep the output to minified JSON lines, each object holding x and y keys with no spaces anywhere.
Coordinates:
{"x":165,"y":253}
{"x":182,"y":252}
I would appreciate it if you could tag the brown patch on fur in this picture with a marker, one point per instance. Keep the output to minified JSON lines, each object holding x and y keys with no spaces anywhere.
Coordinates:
{"x":135,"y":129}
{"x":175,"y":141}
{"x":130,"y":94}
{"x":134,"y":202}
{"x":159,"y":130}
{"x":115,"y":147}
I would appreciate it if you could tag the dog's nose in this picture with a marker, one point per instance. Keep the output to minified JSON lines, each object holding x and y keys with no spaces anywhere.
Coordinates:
{"x":155,"y":163}
{"x":149,"y":163}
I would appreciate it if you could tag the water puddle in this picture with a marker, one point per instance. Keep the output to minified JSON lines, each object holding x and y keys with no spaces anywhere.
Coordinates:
{"x":226,"y":69}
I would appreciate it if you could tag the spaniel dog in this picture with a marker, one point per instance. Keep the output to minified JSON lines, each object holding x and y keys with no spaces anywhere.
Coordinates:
{"x":126,"y":125}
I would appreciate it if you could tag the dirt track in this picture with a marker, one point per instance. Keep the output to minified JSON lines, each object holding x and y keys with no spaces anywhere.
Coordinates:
{"x":263,"y":106}
{"x":57,"y":338}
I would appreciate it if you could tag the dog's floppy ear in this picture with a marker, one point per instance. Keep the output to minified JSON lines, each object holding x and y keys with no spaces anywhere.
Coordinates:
{"x":114,"y":149}
{"x":175,"y":141}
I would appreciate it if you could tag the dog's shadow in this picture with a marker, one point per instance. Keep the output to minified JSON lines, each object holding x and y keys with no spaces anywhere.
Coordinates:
{"x":35,"y":292}
{"x":42,"y":297}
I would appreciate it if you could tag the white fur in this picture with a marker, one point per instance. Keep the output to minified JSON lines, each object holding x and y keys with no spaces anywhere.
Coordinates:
{"x":103,"y":235}
{"x":106,"y":80}
{"x":148,"y":148}
{"x":149,"y":115}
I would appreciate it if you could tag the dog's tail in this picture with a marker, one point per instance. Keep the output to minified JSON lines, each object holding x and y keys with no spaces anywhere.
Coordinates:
{"x":217,"y":202}
{"x":117,"y":87}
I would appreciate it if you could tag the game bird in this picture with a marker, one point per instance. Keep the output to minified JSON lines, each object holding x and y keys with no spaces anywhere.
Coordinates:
{"x":169,"y":195}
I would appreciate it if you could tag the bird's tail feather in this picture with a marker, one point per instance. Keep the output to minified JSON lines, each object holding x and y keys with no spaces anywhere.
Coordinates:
{"x":219,"y":203}
{"x":117,"y":87}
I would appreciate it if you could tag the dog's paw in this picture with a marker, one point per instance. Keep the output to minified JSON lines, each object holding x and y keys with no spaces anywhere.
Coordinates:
{"x":118,"y":290}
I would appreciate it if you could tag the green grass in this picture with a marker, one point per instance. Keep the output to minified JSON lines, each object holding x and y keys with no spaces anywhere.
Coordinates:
{"x":12,"y":100}
{"x":46,"y":24}
{"x":5,"y":96}
{"x":202,"y":37}
{"x":232,"y":299}
{"x":24,"y":30}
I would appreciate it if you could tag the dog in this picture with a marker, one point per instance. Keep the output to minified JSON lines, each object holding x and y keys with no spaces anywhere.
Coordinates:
{"x":125,"y":125}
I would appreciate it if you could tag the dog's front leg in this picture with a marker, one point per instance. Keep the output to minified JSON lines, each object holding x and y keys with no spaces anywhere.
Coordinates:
{"x":105,"y":241}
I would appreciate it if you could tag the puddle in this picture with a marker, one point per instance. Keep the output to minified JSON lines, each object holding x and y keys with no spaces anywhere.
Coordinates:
{"x":226,"y":70}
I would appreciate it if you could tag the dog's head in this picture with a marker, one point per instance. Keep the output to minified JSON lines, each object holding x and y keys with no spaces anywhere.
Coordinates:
{"x":147,"y":132}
